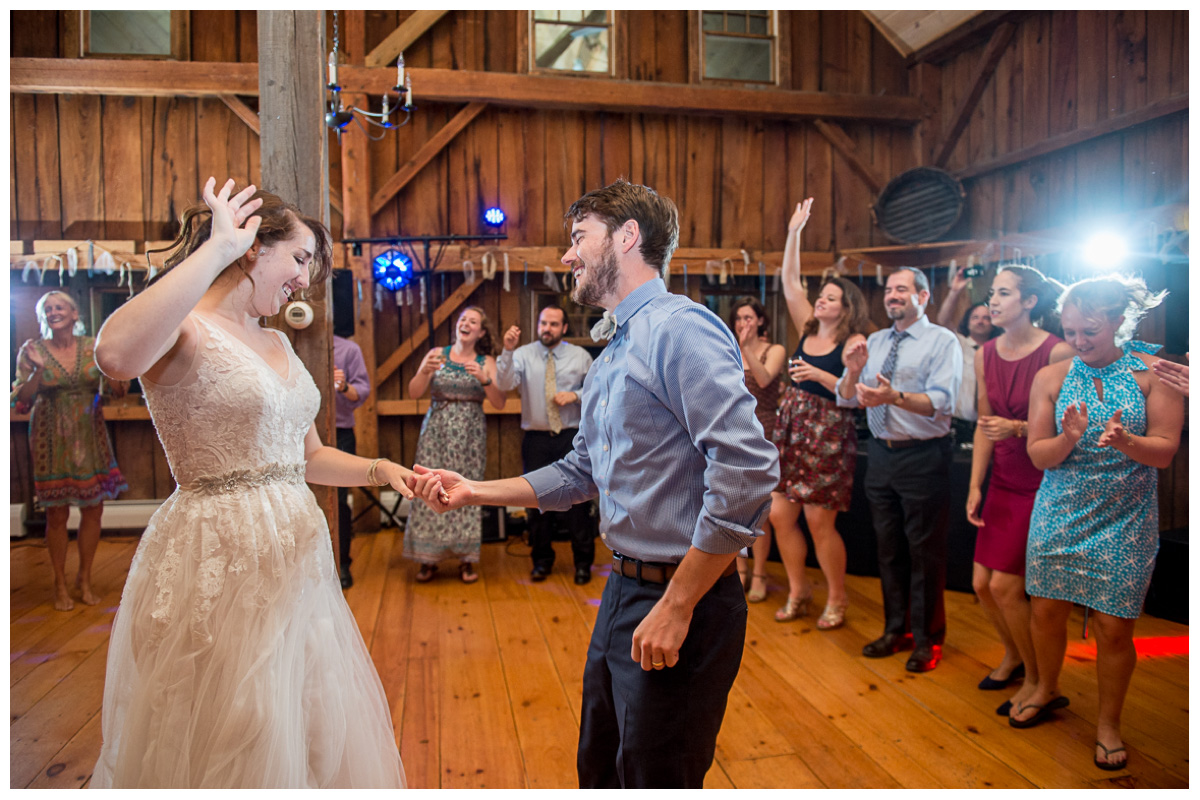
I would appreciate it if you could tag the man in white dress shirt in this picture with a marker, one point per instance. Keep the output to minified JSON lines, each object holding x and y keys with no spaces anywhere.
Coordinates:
{"x":550,"y":406}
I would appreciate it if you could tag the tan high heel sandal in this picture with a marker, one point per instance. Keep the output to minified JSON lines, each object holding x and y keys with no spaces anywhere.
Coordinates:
{"x":832,"y":617}
{"x":794,"y":608}
{"x":754,"y":595}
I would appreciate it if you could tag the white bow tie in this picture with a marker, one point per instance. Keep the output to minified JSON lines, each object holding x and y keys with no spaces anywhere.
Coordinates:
{"x":605,"y":328}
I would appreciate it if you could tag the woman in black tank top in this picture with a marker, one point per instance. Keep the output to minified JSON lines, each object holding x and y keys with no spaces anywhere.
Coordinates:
{"x":816,"y":439}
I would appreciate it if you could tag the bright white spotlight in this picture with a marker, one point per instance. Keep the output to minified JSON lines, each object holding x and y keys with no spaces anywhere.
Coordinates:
{"x":1104,"y":250}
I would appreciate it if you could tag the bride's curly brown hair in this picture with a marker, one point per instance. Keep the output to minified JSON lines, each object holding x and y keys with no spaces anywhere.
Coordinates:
{"x":280,"y":220}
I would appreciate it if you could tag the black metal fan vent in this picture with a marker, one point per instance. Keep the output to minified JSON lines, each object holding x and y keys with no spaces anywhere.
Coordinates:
{"x":920,"y":205}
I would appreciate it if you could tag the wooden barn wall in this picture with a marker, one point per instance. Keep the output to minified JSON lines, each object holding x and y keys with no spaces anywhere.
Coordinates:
{"x":123,"y":167}
{"x":1063,"y":71}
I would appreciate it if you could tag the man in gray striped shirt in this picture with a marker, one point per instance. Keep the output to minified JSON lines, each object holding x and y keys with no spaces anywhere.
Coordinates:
{"x":669,"y":443}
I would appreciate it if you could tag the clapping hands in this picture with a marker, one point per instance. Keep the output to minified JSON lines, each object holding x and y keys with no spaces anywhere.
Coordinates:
{"x":1075,"y":421}
{"x":1114,"y":432}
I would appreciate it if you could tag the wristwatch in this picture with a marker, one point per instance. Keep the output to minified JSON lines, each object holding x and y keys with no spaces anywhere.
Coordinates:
{"x":899,"y":399}
{"x":345,"y":388}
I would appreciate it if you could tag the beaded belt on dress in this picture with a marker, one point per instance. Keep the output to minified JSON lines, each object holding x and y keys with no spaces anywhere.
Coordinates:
{"x":247,"y":479}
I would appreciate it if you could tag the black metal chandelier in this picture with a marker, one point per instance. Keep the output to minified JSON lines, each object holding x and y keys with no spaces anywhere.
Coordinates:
{"x":337,"y":117}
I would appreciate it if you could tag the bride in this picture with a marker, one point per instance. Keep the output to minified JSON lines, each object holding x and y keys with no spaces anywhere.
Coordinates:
{"x":234,"y":660}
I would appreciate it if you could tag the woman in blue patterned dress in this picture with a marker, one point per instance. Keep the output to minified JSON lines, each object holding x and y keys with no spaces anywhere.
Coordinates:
{"x":454,"y":436}
{"x":1099,"y":425}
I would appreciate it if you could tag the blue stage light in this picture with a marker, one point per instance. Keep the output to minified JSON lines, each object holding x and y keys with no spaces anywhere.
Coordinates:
{"x":393,"y":269}
{"x":494,"y":217}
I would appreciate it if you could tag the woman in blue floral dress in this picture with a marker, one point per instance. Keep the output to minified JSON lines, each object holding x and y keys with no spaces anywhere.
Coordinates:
{"x":1099,"y":425}
{"x":453,"y":436}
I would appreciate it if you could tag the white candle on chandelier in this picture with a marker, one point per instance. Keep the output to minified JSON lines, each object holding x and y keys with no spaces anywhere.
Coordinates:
{"x":333,"y":68}
{"x":408,"y":96}
{"x":400,"y":70}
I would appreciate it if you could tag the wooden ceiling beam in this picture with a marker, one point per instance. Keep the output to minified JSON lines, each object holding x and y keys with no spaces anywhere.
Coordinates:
{"x":424,"y":155}
{"x":849,"y":150}
{"x":1147,"y":113}
{"x":967,"y":35}
{"x":587,"y":94}
{"x":131,"y":77}
{"x":409,"y":31}
{"x":212,"y":79}
{"x":966,"y":107}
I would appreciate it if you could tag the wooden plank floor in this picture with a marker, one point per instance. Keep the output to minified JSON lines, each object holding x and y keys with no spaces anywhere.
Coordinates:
{"x":484,"y":684}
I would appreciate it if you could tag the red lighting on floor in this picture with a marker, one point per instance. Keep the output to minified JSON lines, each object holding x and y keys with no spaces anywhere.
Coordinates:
{"x":1147,"y":647}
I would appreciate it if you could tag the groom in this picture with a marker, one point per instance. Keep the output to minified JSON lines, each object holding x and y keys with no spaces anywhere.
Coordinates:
{"x":669,"y":443}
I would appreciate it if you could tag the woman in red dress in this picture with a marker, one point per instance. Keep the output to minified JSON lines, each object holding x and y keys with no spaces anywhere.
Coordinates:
{"x":1021,"y":301}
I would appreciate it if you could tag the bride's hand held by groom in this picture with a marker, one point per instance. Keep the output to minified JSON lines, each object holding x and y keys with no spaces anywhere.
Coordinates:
{"x":441,"y":489}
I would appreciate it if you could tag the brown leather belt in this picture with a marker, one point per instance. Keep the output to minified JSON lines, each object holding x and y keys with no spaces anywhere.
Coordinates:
{"x":649,"y":572}
{"x":900,"y":444}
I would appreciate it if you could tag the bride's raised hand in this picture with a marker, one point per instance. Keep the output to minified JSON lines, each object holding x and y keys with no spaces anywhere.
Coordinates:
{"x":233,"y":226}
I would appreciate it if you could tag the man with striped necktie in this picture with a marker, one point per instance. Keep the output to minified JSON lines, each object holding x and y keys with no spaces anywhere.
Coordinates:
{"x":908,"y":377}
{"x":550,"y":374}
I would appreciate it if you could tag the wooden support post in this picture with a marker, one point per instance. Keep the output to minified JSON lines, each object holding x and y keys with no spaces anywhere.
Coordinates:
{"x":356,"y":224}
{"x":295,"y":165}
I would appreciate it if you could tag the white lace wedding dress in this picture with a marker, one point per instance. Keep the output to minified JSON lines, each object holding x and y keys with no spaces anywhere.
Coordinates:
{"x":234,"y":660}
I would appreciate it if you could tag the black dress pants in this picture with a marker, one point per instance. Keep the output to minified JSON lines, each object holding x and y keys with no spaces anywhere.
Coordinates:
{"x":539,"y":449}
{"x":909,"y":494}
{"x":347,"y":444}
{"x":657,"y":729}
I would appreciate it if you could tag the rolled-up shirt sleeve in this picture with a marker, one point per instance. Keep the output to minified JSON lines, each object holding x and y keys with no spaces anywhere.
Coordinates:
{"x":508,"y":372}
{"x":945,"y":374}
{"x":741,"y":466}
{"x":564,"y":483}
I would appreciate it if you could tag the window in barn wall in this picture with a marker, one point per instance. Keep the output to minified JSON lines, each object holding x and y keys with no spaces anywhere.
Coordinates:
{"x":579,"y":42}
{"x":738,"y":45}
{"x":134,"y":34}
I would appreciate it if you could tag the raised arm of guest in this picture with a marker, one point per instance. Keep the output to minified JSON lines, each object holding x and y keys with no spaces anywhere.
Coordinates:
{"x":793,"y":285}
{"x":948,"y":312}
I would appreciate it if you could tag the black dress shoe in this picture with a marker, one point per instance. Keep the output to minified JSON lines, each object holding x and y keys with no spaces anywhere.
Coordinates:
{"x":539,"y":574}
{"x":886,"y":645}
{"x":347,"y":579}
{"x":924,"y":658}
{"x":583,"y":575}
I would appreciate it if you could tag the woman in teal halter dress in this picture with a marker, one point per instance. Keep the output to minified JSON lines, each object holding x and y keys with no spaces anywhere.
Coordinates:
{"x":1099,"y":426}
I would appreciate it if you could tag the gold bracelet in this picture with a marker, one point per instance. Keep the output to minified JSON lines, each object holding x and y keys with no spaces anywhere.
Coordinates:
{"x":371,"y":473}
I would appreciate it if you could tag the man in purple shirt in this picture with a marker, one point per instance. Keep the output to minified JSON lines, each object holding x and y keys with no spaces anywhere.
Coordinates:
{"x":351,"y":385}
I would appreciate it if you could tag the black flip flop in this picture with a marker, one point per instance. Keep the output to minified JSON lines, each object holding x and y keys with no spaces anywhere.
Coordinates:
{"x":990,"y":684}
{"x":1044,"y":712}
{"x":1108,"y":766}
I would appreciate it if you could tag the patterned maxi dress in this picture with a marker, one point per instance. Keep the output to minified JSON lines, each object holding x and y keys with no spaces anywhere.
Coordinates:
{"x":234,"y":660}
{"x":73,"y":462}
{"x":453,"y":436}
{"x":1094,"y":533}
